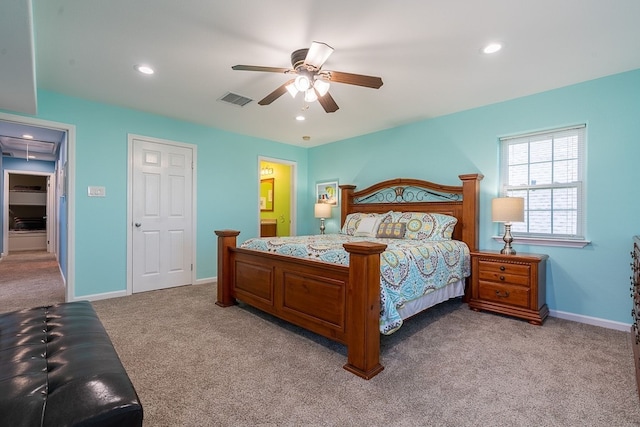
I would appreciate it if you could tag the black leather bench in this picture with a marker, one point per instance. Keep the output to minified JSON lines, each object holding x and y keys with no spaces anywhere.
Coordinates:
{"x":58,"y":368}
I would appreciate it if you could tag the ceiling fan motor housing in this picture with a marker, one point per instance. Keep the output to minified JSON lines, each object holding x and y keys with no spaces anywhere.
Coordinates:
{"x":298,"y":57}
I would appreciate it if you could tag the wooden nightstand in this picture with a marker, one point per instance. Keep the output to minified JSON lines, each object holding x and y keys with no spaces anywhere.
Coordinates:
{"x":509,"y":284}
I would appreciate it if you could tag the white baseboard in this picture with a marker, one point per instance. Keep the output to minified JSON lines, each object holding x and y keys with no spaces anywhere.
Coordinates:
{"x":609,"y":324}
{"x":106,"y":295}
{"x":118,"y":294}
{"x":206,"y":280}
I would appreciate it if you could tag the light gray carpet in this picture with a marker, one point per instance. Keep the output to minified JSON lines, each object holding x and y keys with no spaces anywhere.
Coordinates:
{"x":196,"y":364}
{"x":29,"y":279}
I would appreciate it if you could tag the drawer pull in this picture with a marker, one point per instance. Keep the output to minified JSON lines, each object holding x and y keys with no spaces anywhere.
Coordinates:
{"x":501,"y":277}
{"x":504,"y":294}
{"x":502,"y":268}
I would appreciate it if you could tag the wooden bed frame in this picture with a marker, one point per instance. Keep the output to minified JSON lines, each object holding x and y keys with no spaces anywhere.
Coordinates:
{"x":340,"y":302}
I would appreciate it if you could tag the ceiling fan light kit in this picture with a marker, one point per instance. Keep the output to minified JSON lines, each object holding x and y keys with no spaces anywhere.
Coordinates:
{"x":310,"y":96}
{"x":310,"y":79}
{"x":321,"y":86}
{"x":302,"y":83}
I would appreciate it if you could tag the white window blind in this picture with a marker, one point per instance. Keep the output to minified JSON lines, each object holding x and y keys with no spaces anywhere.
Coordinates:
{"x":546,"y":169}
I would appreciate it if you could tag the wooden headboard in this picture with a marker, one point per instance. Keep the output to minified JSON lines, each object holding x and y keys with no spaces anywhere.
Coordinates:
{"x":414,"y":195}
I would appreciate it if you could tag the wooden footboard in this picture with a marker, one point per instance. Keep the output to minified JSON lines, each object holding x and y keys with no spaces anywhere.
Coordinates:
{"x":338,"y":302}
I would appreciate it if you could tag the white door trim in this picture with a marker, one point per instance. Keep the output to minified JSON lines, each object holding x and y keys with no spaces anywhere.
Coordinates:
{"x":294,"y":190}
{"x":194,"y":203}
{"x":51,"y":208}
{"x":70,"y":278}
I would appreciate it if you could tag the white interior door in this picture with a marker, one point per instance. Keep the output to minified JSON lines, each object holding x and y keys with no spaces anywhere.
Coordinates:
{"x":162,"y":226}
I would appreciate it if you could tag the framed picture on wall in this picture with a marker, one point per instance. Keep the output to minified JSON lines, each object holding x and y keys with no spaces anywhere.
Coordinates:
{"x":327,"y":192}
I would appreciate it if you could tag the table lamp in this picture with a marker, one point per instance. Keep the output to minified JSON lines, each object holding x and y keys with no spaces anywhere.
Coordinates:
{"x":322,"y":211}
{"x":507,"y":210}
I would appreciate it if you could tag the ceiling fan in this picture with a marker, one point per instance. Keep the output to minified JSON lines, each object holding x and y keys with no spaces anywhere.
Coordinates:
{"x":310,"y":78}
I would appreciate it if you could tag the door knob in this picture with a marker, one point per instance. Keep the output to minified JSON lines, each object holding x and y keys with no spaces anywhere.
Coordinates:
{"x":137,"y":224}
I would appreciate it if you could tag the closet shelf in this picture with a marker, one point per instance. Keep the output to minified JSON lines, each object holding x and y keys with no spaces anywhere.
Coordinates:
{"x":28,"y":198}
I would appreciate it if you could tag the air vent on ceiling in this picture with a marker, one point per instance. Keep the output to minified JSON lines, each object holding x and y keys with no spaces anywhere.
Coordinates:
{"x":235,"y":99}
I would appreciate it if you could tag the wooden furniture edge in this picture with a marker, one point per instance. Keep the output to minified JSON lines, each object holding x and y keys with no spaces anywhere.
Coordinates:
{"x":363,"y":309}
{"x":226,"y":239}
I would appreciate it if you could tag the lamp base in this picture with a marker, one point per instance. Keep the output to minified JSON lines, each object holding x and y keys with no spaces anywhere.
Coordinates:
{"x":321,"y":225}
{"x":508,"y":251}
{"x":508,"y":238}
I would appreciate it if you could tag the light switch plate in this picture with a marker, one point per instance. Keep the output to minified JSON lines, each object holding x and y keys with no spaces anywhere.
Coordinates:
{"x":97,"y":191}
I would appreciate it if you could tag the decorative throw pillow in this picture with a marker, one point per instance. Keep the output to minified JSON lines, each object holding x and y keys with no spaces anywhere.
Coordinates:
{"x":353,"y":219}
{"x":368,"y":227}
{"x":351,"y":222}
{"x":427,"y":226}
{"x":392,"y":230}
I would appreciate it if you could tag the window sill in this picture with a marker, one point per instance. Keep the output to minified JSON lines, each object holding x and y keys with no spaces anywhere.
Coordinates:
{"x":540,"y":241}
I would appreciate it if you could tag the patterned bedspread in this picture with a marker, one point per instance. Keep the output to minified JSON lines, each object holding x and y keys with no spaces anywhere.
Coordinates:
{"x":409,"y":269}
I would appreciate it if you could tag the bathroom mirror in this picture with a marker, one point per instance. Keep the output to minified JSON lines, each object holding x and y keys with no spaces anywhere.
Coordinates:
{"x":266,"y":194}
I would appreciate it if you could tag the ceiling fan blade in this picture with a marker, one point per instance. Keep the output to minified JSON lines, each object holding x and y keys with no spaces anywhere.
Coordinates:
{"x":318,"y":53}
{"x":354,"y":79}
{"x":327,"y":102}
{"x":281,"y":90}
{"x":259,"y":68}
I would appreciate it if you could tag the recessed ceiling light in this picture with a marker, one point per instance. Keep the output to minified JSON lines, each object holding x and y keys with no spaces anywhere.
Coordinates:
{"x":300,"y":118}
{"x":144,"y":69}
{"x":492,"y":48}
{"x":27,"y":136}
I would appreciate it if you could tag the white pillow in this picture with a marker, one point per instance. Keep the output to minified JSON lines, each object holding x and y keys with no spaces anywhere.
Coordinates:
{"x":368,"y":227}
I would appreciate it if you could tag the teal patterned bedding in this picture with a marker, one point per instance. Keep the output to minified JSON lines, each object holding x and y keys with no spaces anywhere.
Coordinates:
{"x":409,"y":269}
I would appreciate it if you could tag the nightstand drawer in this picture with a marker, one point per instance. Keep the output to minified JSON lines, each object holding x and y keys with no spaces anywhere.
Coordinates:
{"x":504,"y":268}
{"x":503,"y":293}
{"x":496,"y":276}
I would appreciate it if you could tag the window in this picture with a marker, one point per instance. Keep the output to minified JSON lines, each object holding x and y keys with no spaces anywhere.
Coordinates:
{"x":546,"y":169}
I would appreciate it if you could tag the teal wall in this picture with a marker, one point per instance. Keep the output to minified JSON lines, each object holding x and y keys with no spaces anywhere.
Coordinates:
{"x":593,"y":281}
{"x":227,"y":176}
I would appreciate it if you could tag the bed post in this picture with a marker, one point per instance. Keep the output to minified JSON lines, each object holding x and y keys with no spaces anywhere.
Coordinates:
{"x":471,"y":209}
{"x":470,"y":218}
{"x":226,"y":240}
{"x":346,"y":198}
{"x":363,"y":309}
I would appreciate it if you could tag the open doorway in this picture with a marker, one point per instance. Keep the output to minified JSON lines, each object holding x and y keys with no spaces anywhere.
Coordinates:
{"x":30,"y":211}
{"x":277,"y":197}
{"x":32,"y":146}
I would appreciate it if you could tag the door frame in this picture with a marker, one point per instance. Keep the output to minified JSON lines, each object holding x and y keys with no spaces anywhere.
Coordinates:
{"x":194,"y":202}
{"x":293,"y":227}
{"x":70,"y":183}
{"x":51,"y":212}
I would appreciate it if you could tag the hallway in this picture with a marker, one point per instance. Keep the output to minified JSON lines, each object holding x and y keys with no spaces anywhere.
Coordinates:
{"x":29,"y":279}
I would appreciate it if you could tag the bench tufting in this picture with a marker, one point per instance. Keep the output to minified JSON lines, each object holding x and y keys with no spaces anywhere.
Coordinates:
{"x":58,"y":367}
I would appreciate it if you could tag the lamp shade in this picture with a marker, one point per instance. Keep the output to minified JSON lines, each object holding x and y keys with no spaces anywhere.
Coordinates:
{"x":322,"y":210}
{"x":507,"y":209}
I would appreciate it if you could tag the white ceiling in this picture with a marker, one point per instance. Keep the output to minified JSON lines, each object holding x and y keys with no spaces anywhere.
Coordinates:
{"x":427,"y":53}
